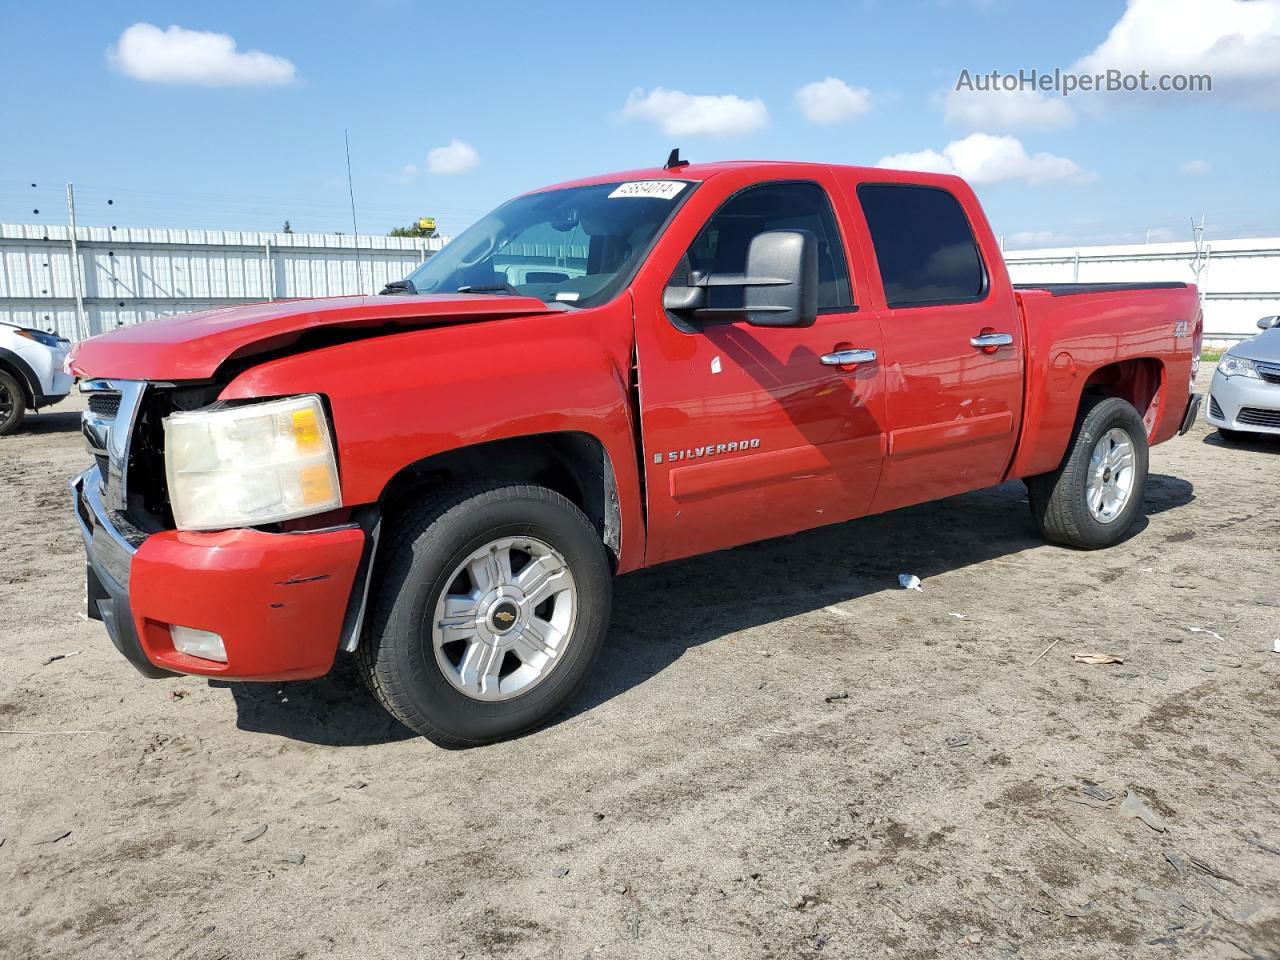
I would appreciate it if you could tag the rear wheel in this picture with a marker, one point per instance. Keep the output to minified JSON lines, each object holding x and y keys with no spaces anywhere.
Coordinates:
{"x":1094,"y":497}
{"x":492,"y":605}
{"x":13,"y":404}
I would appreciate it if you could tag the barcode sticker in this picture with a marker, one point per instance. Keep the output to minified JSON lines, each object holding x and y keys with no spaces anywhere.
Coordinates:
{"x":661,"y":189}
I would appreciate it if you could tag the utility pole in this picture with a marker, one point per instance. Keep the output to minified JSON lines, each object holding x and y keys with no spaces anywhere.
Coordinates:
{"x":82,"y":322}
{"x":355,"y":229}
{"x":1201,"y":259}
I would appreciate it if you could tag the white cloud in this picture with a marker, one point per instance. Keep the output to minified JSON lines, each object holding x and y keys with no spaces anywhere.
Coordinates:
{"x":924,"y":161}
{"x":1195,"y":168}
{"x":982,"y":158}
{"x":832,"y":100}
{"x":457,"y":157}
{"x":1031,"y":239}
{"x":1089,"y":236}
{"x":682,"y":114}
{"x":1237,"y":42}
{"x":1007,"y":110}
{"x":181,"y":56}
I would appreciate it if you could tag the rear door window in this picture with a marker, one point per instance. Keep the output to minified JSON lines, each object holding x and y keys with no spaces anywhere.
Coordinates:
{"x":925,"y":248}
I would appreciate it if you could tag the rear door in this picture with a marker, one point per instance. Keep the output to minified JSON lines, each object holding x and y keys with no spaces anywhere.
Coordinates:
{"x":953,"y":343}
{"x":747,"y":433}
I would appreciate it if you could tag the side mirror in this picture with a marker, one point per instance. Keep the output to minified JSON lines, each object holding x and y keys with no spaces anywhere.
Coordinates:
{"x":1266,"y":323}
{"x":782,"y":279}
{"x":779,"y":288}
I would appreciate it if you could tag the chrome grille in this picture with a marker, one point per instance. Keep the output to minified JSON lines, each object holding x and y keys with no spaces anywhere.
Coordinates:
{"x":1269,"y":372}
{"x":1214,"y":409}
{"x":107,"y":427}
{"x":1259,"y":417}
{"x":105,"y":405}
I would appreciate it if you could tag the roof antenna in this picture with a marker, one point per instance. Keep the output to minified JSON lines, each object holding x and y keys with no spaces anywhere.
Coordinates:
{"x":674,"y":161}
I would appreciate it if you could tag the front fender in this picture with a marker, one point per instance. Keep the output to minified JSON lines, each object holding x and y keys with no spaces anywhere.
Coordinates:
{"x":400,"y":398}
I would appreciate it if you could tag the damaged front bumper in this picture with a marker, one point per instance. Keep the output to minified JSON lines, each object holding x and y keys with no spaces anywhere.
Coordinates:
{"x":280,"y":602}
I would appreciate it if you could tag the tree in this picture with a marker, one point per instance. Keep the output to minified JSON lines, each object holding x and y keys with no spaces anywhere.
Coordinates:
{"x":287,"y":228}
{"x":422,"y":227}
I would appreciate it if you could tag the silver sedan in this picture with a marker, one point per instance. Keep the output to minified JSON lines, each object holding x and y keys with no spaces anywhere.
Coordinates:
{"x":1244,"y":397}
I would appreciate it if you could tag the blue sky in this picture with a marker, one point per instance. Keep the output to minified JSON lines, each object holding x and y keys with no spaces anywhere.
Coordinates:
{"x":540,"y":93}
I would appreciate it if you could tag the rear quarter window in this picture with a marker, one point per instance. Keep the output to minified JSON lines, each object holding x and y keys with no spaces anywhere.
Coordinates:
{"x":924,"y":246}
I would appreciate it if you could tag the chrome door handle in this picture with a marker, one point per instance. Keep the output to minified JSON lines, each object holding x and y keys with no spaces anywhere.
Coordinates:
{"x":848,"y":358}
{"x":992,"y":340}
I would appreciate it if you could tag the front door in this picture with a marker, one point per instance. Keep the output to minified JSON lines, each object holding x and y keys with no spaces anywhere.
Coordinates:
{"x":747,"y":432}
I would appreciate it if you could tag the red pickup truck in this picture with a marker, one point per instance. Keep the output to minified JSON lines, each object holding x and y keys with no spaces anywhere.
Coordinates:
{"x":596,"y":377}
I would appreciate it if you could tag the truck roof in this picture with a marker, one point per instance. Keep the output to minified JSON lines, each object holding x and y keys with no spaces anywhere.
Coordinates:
{"x":705,"y":171}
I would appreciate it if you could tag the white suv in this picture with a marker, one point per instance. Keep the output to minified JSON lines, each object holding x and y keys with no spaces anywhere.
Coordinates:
{"x":31,"y":373}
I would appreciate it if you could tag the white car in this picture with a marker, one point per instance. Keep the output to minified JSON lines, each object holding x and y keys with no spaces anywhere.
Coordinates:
{"x":1244,"y":397}
{"x":31,"y":374}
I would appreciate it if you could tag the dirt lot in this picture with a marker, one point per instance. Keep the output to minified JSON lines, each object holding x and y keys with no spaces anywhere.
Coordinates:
{"x":703,"y":798}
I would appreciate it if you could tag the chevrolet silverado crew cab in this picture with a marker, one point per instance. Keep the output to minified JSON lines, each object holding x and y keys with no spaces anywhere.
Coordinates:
{"x":594,"y":378}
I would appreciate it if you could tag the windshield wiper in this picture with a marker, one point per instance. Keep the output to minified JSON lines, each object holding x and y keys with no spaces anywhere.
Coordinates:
{"x":506,"y":289}
{"x":402,"y":288}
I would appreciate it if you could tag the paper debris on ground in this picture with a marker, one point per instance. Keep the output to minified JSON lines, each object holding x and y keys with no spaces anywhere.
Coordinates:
{"x":1132,"y":806}
{"x":1212,"y":633}
{"x":910,"y":581}
{"x":1096,"y":658}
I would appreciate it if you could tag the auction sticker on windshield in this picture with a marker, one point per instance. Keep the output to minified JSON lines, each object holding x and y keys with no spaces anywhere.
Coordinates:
{"x":661,"y":189}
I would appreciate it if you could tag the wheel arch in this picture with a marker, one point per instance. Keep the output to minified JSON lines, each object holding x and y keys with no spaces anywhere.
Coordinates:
{"x":1056,"y":402}
{"x":1139,"y":380}
{"x":21,"y":371}
{"x":575,"y":464}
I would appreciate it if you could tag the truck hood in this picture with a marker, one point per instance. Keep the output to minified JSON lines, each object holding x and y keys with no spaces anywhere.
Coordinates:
{"x":193,"y":346}
{"x":1265,"y":346}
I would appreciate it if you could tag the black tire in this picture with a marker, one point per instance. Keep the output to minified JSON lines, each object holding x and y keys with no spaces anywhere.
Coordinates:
{"x":13,"y":404}
{"x":420,"y":554}
{"x":1233,"y":436}
{"x":1058,"y":499}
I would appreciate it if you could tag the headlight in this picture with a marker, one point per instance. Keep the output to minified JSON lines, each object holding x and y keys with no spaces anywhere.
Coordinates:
{"x":1230,"y":366}
{"x":249,"y":465}
{"x":39,"y":336}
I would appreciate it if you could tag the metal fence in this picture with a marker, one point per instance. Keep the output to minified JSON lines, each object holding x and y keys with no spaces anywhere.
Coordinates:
{"x":1239,"y":279}
{"x":112,"y":276}
{"x":128,"y":275}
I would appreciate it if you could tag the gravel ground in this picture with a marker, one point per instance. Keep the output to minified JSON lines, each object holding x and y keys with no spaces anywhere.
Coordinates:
{"x":782,"y":754}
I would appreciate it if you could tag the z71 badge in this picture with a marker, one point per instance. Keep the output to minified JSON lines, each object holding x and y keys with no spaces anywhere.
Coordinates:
{"x":710,"y":450}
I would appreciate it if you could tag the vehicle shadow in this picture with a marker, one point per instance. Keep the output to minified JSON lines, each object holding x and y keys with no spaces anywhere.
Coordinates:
{"x":1255,"y":442}
{"x":660,"y":613}
{"x":336,"y":710}
{"x":65,"y":421}
{"x":719,"y":594}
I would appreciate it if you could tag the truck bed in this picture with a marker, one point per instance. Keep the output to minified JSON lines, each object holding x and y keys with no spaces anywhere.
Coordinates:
{"x":1073,"y":289}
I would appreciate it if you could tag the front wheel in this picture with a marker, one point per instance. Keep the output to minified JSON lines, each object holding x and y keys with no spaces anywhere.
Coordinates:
{"x":1094,"y":497}
{"x":13,"y":404}
{"x":492,"y":603}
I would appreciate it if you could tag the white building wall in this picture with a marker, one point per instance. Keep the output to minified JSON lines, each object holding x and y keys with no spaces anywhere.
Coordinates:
{"x":1239,"y":279}
{"x":130,"y":275}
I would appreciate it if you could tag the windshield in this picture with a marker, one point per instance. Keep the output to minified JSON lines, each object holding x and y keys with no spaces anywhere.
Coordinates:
{"x":576,"y":246}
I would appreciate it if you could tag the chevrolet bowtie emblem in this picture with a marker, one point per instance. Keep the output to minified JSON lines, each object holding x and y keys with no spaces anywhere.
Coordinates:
{"x":504,"y":616}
